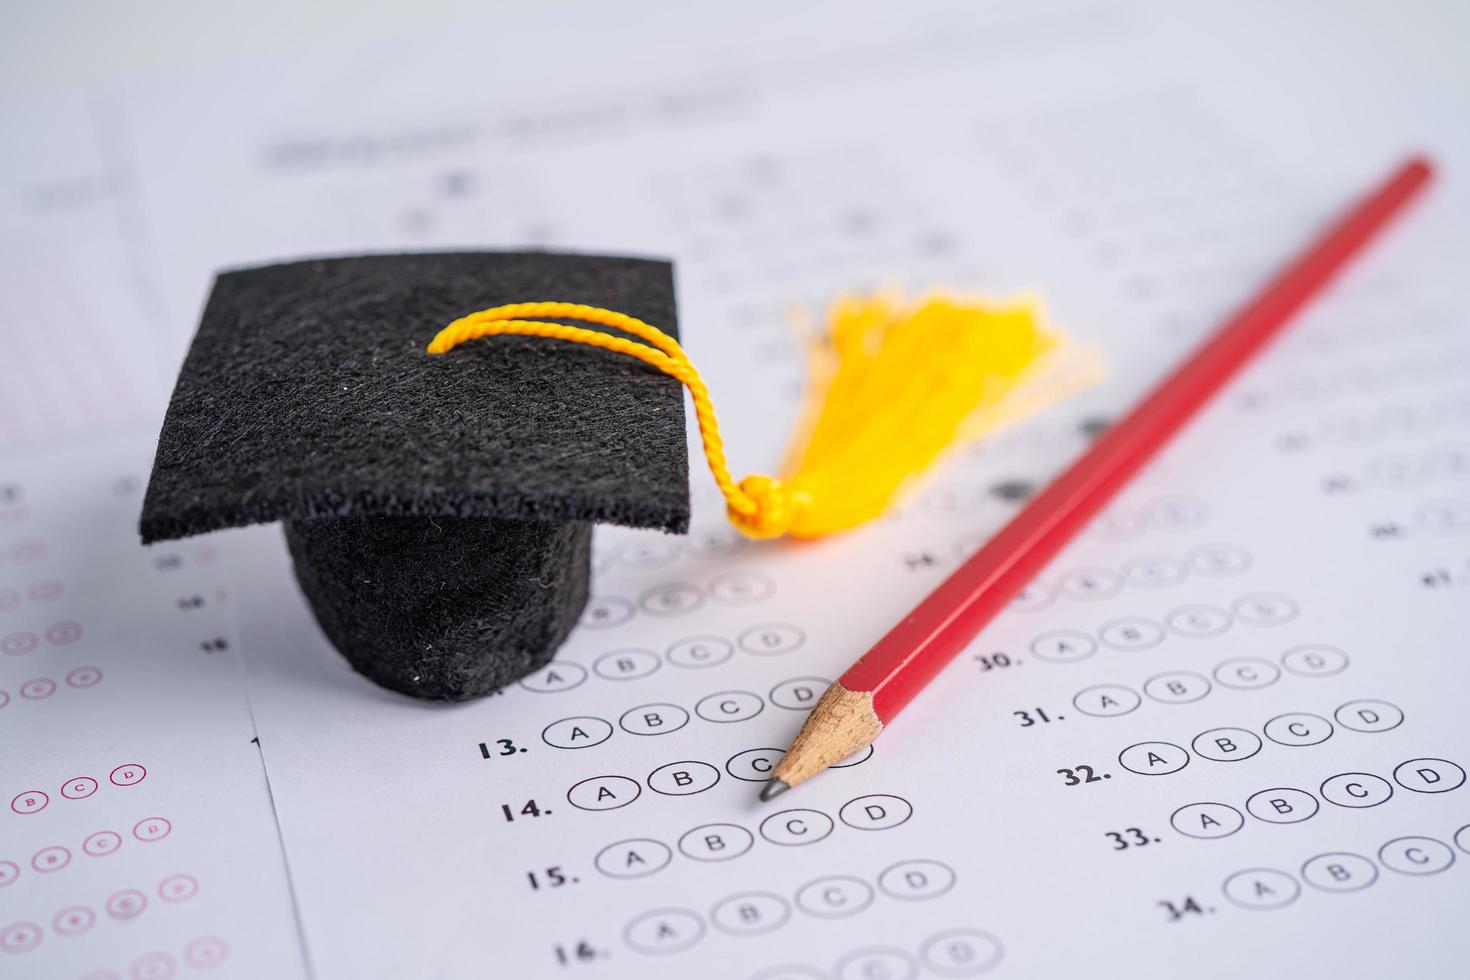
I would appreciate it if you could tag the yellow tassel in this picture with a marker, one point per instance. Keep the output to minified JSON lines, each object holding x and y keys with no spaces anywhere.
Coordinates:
{"x":893,"y":387}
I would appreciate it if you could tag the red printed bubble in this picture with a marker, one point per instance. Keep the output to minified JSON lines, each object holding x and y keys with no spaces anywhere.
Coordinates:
{"x":28,"y":550}
{"x":20,"y":937}
{"x":29,"y":801}
{"x":84,"y":677}
{"x":153,"y":966}
{"x":127,"y":904}
{"x":102,"y":843}
{"x":178,"y":888}
{"x":73,"y":921}
{"x":64,"y":633}
{"x":51,"y":859}
{"x":46,"y":590}
{"x":150,"y":829}
{"x":79,"y":788}
{"x":206,"y":952}
{"x":38,"y":689}
{"x":127,"y":774}
{"x":19,"y":642}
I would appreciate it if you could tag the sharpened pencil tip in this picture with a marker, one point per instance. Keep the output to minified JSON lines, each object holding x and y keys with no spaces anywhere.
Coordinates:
{"x":773,"y":789}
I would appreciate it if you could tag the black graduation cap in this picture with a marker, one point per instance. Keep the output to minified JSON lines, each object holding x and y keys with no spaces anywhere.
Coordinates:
{"x":438,"y":509}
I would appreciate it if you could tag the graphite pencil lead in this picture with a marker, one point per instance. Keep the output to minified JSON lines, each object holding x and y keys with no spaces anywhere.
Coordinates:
{"x":773,"y":789}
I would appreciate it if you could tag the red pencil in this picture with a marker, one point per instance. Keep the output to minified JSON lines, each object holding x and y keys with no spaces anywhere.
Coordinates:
{"x":873,"y":690}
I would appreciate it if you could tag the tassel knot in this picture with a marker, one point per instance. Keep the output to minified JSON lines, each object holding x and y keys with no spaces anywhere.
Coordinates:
{"x":775,"y":507}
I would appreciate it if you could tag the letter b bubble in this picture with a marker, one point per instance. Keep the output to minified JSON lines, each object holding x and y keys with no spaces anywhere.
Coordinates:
{"x":1340,"y":871}
{"x":1226,"y":744}
{"x":653,"y":719}
{"x":683,"y":778}
{"x":716,"y":842}
{"x":1282,"y":805}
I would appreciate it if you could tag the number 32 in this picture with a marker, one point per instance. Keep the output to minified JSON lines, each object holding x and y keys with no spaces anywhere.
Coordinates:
{"x":1071,"y":777}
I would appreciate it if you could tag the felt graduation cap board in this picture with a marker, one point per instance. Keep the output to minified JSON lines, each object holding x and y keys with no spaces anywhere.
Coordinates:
{"x":438,"y":484}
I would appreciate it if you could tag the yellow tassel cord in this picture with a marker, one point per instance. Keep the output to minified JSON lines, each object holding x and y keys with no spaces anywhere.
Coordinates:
{"x":893,"y":388}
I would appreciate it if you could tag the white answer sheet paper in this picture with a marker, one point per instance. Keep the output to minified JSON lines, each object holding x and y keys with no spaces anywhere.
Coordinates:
{"x":1221,"y":734}
{"x":137,"y":837}
{"x":1222,"y":730}
{"x":1226,"y":720}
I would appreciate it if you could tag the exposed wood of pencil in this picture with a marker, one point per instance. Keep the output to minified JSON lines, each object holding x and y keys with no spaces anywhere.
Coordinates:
{"x":843,"y":722}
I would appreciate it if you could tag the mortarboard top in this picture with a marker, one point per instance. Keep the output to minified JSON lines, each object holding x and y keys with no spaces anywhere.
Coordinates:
{"x":438,"y":509}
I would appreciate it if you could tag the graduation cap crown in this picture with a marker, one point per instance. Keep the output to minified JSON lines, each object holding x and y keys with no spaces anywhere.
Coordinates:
{"x":438,"y":510}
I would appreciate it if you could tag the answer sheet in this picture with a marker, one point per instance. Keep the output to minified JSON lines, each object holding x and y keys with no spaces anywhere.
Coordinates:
{"x":137,"y":838}
{"x":1223,"y":721}
{"x":1222,"y":734}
